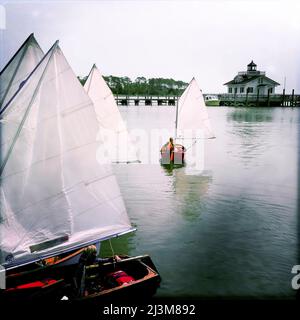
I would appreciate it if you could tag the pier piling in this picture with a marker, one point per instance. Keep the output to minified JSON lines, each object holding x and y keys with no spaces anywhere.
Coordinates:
{"x":246,"y":99}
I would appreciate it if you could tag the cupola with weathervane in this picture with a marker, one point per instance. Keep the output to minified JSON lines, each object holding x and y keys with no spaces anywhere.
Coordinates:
{"x":251,"y":66}
{"x":251,"y":81}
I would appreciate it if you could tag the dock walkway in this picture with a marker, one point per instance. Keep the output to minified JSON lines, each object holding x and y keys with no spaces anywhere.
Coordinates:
{"x":246,"y":100}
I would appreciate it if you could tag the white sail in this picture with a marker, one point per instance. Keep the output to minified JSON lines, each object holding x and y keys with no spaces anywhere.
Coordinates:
{"x":19,"y":68}
{"x":192,"y":119}
{"x":54,"y":194}
{"x":119,"y":145}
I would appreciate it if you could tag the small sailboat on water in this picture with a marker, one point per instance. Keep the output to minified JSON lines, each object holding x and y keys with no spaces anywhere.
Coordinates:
{"x":192,"y":123}
{"x":56,"y":199}
{"x":120,"y":146}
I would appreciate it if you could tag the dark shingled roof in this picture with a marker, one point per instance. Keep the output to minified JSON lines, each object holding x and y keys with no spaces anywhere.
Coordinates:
{"x":247,"y":79}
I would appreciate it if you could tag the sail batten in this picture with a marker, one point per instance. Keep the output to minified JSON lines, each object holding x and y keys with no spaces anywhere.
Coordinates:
{"x":52,"y":186}
{"x":120,"y":146}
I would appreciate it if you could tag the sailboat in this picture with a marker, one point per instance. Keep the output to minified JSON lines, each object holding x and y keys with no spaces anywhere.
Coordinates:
{"x":55,"y":197}
{"x":18,"y":68}
{"x":120,"y":146}
{"x":192,"y":123}
{"x":12,"y":77}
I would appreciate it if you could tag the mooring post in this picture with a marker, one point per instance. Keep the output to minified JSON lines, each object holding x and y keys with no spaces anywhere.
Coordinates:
{"x":257,"y":97}
{"x":247,"y":97}
{"x":268,"y":98}
{"x":283,"y":97}
{"x":293,"y":98}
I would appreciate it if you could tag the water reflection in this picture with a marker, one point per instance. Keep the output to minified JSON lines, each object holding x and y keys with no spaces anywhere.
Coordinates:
{"x":250,"y":137}
{"x":168,"y":168}
{"x":250,"y":115}
{"x":119,"y":245}
{"x":233,"y":228}
{"x":190,"y":193}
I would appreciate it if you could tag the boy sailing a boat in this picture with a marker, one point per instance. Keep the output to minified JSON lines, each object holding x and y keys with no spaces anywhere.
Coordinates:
{"x":172,"y":154}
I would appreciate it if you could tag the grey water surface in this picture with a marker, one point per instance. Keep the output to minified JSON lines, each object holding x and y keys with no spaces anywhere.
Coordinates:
{"x":231,"y":230}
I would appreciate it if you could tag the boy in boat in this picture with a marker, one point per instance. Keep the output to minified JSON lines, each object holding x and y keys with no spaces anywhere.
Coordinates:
{"x":171,"y":144}
{"x":169,"y":148}
{"x":89,"y":256}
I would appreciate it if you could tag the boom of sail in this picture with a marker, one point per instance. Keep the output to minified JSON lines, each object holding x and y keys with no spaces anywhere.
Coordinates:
{"x":192,"y":121}
{"x":18,"y":68}
{"x":55,"y":197}
{"x":119,"y":145}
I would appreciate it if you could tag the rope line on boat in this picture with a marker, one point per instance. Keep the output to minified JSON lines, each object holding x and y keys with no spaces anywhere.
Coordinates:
{"x":186,"y":149}
{"x":113,"y":253}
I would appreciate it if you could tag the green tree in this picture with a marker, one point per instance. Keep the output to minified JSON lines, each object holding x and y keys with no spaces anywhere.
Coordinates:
{"x":142,"y":86}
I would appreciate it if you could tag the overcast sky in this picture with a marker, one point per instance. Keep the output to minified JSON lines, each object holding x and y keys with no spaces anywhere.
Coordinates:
{"x":211,"y":40}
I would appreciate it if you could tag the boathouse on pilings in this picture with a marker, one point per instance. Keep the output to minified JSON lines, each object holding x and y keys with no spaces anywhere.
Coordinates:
{"x":251,"y":81}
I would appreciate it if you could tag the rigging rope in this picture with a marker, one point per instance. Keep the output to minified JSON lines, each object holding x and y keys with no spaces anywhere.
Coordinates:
{"x":113,"y":253}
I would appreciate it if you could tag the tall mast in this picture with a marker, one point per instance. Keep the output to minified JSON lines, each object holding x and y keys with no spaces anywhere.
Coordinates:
{"x":90,"y":75}
{"x":176,"y":121}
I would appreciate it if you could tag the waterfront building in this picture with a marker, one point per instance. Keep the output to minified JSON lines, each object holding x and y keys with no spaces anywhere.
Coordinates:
{"x":251,"y":81}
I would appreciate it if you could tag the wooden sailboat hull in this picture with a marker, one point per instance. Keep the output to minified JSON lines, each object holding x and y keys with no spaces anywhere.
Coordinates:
{"x":51,"y":283}
{"x":48,"y":289}
{"x":45,"y":278}
{"x":37,"y":282}
{"x":66,"y":259}
{"x":70,"y":258}
{"x":176,"y":157}
{"x":144,"y":283}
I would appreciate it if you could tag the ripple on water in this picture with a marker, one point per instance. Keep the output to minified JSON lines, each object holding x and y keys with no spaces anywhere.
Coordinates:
{"x":231,"y":232}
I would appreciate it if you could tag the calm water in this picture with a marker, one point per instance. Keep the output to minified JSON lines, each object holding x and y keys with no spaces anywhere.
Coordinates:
{"x":231,"y":230}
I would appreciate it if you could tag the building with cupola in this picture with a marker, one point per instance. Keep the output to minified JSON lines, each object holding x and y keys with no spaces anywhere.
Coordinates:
{"x":251,"y":81}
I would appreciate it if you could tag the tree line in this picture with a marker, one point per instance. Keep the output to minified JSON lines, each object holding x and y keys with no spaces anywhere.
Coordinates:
{"x":142,"y":86}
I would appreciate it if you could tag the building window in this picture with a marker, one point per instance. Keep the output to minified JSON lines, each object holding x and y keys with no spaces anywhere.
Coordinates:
{"x":271,"y":90}
{"x":241,"y":89}
{"x":250,"y":89}
{"x":229,"y":90}
{"x":235,"y":90}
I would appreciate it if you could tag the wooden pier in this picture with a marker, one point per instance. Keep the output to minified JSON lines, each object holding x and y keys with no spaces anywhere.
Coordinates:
{"x":123,"y":100}
{"x":225,"y":99}
{"x":255,"y":100}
